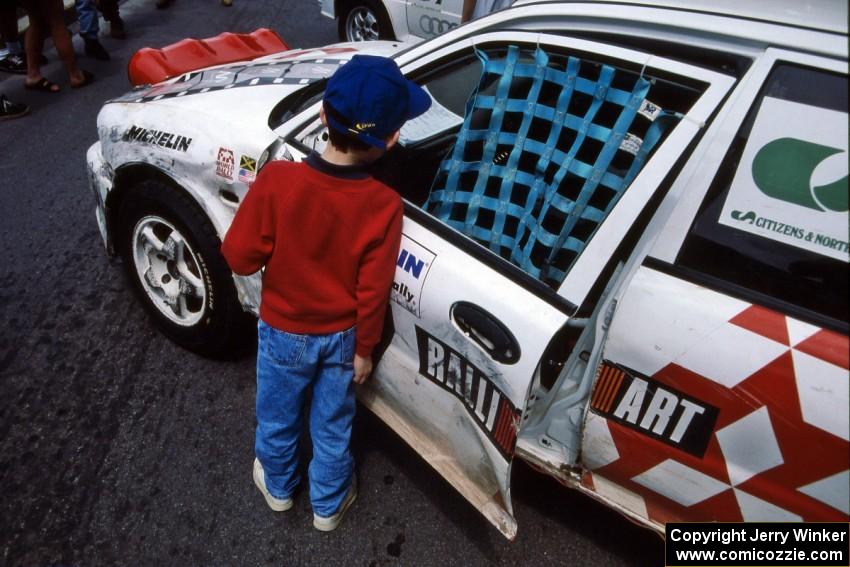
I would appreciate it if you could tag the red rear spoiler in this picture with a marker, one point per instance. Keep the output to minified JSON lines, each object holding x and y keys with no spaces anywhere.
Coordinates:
{"x":150,"y":65}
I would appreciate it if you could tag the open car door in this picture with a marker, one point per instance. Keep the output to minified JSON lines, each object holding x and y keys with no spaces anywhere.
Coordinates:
{"x":529,"y":146}
{"x":454,"y":379}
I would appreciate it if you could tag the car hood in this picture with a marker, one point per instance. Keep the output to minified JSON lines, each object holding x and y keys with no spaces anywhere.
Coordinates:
{"x":247,"y":91}
{"x":208,"y":130}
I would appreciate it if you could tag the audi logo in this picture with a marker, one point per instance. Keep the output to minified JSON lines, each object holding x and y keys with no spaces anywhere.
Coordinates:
{"x":435,"y":26}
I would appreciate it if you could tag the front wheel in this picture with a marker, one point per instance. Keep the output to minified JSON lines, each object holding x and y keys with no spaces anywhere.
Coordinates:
{"x":363,"y":20}
{"x":171,"y":254}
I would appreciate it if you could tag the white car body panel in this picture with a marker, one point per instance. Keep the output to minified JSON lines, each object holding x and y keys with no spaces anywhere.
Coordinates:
{"x":707,"y":30}
{"x":430,"y":18}
{"x":816,"y":14}
{"x":397,"y":12}
{"x":561,"y":431}
{"x":244,"y":132}
{"x":411,"y":20}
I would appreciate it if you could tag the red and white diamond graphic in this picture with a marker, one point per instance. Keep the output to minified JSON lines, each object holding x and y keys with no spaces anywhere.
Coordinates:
{"x":757,"y":510}
{"x":680,"y":483}
{"x":822,"y":389}
{"x":780,"y":448}
{"x":743,"y":354}
{"x":833,"y":491}
{"x":598,"y":436}
{"x":749,"y":446}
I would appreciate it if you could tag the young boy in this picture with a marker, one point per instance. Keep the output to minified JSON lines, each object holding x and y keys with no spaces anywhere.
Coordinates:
{"x":327,"y":234}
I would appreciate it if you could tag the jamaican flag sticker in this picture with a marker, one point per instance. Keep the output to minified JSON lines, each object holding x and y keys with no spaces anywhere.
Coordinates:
{"x":791,"y":184}
{"x":247,"y":169}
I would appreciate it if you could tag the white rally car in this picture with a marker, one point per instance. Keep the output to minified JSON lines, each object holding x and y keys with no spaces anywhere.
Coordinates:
{"x":406,"y":20}
{"x":625,"y":248}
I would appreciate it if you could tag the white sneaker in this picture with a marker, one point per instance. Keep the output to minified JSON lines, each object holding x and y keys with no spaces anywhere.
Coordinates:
{"x":275,"y":504}
{"x":329,"y":524}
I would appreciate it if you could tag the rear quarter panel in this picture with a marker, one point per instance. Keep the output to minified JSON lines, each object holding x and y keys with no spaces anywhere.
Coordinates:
{"x":709,"y":408}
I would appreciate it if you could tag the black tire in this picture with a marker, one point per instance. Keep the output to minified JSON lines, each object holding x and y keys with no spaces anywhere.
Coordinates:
{"x":216,"y":324}
{"x":353,"y":7}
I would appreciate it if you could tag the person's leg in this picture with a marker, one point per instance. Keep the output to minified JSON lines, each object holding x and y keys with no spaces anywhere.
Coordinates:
{"x":109,"y":9}
{"x":285,"y":367}
{"x":34,"y":41}
{"x":466,"y":12}
{"x":331,"y":415}
{"x":90,"y":29}
{"x":52,"y":11}
{"x":87,"y":16}
{"x":5,"y":25}
{"x":9,"y":26}
{"x":13,"y":60}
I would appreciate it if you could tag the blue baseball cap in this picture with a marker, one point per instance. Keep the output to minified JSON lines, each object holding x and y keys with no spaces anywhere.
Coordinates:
{"x":368,"y":99}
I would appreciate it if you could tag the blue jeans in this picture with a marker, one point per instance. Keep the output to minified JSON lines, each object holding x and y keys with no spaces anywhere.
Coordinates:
{"x":287,"y":365}
{"x":88,"y":18}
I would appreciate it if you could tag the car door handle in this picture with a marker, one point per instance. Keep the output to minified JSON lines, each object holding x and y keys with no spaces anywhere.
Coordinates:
{"x":486,"y":331}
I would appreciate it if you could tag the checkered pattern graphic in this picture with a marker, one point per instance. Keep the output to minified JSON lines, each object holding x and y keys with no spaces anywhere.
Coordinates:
{"x":779,"y":451}
{"x":236,"y":76}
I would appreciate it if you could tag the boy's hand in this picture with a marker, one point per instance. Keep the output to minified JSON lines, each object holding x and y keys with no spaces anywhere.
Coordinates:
{"x":362,"y":368}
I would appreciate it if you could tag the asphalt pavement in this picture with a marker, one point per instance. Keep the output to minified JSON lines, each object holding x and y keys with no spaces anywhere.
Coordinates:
{"x":120,"y":448}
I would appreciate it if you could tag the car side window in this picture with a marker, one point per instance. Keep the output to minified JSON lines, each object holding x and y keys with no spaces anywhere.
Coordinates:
{"x":774,"y":221}
{"x":410,"y":168}
{"x":543,"y":145}
{"x":449,"y":86}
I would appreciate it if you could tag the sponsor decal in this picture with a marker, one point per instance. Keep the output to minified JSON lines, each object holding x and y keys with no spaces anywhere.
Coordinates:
{"x":649,"y":110}
{"x":224,"y":163}
{"x":414,"y":261}
{"x":631,"y":143}
{"x":777,"y":178}
{"x":247,"y":169}
{"x":491,"y":410}
{"x":792,"y":183}
{"x":157,"y":138}
{"x":655,"y":409}
{"x":248,"y":164}
{"x":819,"y":239}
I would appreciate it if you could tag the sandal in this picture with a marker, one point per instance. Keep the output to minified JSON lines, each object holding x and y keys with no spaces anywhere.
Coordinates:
{"x":42,"y":85}
{"x":88,"y":78}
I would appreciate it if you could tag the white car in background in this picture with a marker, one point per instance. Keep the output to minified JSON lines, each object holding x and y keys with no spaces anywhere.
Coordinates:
{"x":404,"y":20}
{"x":624,"y":254}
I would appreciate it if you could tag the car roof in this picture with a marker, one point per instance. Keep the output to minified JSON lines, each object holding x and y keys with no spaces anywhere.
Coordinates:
{"x":821,"y":15}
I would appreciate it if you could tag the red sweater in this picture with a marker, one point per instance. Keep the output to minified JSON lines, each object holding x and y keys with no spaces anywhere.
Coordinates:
{"x":329,"y":246}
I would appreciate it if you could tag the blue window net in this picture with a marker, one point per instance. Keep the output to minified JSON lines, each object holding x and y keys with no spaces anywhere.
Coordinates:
{"x":544,"y":153}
